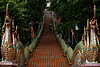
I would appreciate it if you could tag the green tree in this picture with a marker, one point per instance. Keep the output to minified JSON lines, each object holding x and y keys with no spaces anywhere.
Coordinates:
{"x":74,"y":11}
{"x":23,"y":13}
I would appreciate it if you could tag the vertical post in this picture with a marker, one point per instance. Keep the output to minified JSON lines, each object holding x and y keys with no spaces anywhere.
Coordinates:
{"x":76,"y":28}
{"x":66,"y":36}
{"x":72,"y":35}
{"x":84,"y":36}
{"x":69,"y":35}
{"x":87,"y":29}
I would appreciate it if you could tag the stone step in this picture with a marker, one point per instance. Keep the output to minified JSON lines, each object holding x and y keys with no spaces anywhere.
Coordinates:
{"x":48,"y":52}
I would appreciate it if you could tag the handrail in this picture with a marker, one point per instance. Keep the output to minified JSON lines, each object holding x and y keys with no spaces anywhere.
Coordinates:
{"x":74,"y":54}
{"x":22,"y":54}
{"x":21,"y":47}
{"x":77,"y":51}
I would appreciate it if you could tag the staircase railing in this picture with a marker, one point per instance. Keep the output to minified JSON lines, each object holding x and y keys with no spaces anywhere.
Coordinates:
{"x":29,"y":49}
{"x":68,"y":51}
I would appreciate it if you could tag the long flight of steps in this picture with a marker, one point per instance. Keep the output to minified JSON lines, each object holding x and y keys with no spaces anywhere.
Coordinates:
{"x":48,"y":52}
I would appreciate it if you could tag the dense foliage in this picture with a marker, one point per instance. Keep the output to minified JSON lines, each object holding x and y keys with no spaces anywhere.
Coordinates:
{"x":23,"y":12}
{"x":75,"y":12}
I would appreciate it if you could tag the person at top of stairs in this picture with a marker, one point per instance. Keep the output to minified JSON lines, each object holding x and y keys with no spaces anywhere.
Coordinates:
{"x":50,"y":27}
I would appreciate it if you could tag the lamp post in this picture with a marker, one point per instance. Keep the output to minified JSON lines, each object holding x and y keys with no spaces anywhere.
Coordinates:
{"x":76,"y":29}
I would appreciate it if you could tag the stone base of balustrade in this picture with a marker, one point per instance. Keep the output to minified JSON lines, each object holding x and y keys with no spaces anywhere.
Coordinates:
{"x":8,"y":64}
{"x":91,"y":65}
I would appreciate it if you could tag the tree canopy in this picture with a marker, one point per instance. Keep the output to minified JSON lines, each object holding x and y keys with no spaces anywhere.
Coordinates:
{"x":75,"y":12}
{"x":23,"y":12}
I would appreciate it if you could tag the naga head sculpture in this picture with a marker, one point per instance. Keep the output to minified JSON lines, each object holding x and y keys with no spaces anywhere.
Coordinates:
{"x":8,"y":47}
{"x":91,"y":39}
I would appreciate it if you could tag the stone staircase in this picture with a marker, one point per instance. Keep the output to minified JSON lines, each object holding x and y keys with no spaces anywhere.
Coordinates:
{"x":48,"y":52}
